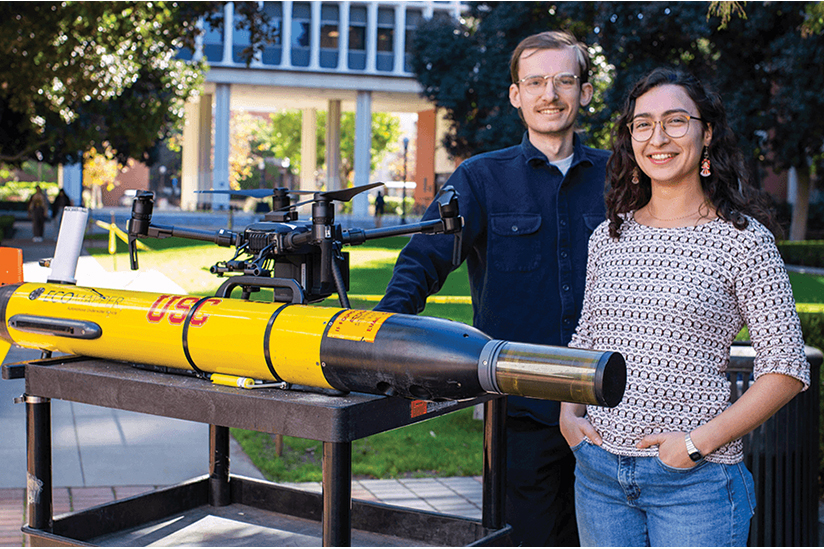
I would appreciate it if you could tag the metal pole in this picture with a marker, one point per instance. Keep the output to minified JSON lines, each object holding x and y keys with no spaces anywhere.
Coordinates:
{"x":494,"y":466}
{"x":403,"y":200}
{"x":219,"y":492}
{"x":337,"y":494}
{"x":39,"y":462}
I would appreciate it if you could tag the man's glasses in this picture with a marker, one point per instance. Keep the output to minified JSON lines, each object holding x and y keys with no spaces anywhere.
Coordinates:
{"x":674,"y":125}
{"x":536,"y":85}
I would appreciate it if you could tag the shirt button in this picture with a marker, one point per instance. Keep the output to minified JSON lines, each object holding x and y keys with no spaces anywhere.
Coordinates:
{"x":563,"y":223}
{"x":514,"y":228}
{"x":564,"y":254}
{"x":565,"y":287}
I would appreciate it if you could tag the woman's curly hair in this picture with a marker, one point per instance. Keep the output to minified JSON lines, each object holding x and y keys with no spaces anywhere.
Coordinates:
{"x":728,"y":188}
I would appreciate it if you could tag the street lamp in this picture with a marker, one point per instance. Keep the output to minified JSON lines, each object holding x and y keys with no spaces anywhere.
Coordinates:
{"x":403,"y":199}
{"x":162,"y":170}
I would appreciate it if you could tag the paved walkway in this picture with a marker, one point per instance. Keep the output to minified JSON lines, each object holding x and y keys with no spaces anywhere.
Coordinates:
{"x":102,"y":455}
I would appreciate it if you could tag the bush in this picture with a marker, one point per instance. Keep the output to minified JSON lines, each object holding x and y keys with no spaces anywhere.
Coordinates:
{"x":812,"y":324}
{"x":21,"y":191}
{"x":6,"y":226}
{"x":815,"y":219}
{"x":807,"y":253}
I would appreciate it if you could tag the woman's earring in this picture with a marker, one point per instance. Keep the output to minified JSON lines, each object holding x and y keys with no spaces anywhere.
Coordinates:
{"x":635,"y":177}
{"x":705,"y":163}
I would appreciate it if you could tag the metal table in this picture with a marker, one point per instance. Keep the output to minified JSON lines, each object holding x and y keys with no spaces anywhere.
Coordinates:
{"x":334,"y":420}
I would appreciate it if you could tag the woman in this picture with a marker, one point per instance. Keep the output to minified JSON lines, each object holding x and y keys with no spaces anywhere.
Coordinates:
{"x":38,"y":207}
{"x":682,"y":263}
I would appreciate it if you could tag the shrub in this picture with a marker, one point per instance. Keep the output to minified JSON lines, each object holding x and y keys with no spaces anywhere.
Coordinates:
{"x":21,"y":191}
{"x":807,"y":253}
{"x":6,"y":226}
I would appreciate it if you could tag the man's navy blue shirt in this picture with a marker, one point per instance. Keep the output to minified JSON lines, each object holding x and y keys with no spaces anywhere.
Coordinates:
{"x":526,"y":229}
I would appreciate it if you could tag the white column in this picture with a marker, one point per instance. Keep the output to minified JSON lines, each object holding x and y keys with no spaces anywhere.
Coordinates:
{"x":792,"y":185}
{"x":197,"y":55}
{"x":308,"y":149}
{"x":343,"y":38}
{"x":333,"y":182}
{"x":204,"y":170}
{"x":286,"y":36}
{"x":189,"y":172}
{"x":371,"y":37}
{"x":314,"y":36}
{"x":70,"y":179}
{"x":399,"y":43}
{"x":228,"y":31}
{"x":363,"y":142}
{"x":220,"y":179}
{"x":428,"y":11}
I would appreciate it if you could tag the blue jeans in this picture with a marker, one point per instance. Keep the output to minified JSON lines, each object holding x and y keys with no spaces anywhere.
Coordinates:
{"x":639,"y":501}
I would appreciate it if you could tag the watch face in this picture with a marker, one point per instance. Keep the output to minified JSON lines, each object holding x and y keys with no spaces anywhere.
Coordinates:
{"x":695,"y":456}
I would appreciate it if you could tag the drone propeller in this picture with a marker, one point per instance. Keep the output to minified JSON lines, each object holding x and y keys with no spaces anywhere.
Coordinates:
{"x":257,"y":193}
{"x":342,"y":195}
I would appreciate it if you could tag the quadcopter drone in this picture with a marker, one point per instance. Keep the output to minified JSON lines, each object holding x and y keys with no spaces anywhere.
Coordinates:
{"x":302,"y":261}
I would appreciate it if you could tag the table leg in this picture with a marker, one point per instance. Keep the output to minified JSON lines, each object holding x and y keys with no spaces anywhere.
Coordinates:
{"x":337,"y":494}
{"x":219,"y":492}
{"x":39,"y":463}
{"x":494,"y":466}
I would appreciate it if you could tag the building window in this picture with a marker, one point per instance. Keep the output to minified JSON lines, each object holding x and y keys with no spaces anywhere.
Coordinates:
{"x":413,"y":19}
{"x":386,"y":39}
{"x":357,"y":38}
{"x":272,"y":52}
{"x":329,"y":35}
{"x":212,"y":44}
{"x":301,"y":29}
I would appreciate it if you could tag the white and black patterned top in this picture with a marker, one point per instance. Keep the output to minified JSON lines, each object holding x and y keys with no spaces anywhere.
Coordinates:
{"x":672,"y":301}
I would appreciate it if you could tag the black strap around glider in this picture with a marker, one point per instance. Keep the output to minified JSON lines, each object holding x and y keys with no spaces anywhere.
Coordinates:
{"x":189,"y":316}
{"x":267,"y":336}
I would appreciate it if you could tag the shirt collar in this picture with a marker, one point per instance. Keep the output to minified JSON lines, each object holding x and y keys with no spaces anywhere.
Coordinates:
{"x":532,"y":154}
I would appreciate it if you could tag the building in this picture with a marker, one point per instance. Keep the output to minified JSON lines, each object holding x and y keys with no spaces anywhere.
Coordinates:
{"x":333,"y":56}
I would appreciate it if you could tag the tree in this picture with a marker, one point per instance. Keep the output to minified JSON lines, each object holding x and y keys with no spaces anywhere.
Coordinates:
{"x":76,"y":75}
{"x":761,"y":65}
{"x":784,"y":122}
{"x":100,"y":169}
{"x":463,"y":66}
{"x":280,"y":138}
{"x":760,"y":60}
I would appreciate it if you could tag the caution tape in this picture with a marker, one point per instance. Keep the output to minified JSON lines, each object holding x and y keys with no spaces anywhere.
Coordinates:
{"x":115,"y":231}
{"x":466,"y":300}
{"x":452,"y":299}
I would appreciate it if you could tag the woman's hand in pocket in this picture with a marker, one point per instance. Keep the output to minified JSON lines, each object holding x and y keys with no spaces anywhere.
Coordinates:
{"x":575,"y":426}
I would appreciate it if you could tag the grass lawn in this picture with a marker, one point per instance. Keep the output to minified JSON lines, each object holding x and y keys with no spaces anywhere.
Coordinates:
{"x":449,"y":445}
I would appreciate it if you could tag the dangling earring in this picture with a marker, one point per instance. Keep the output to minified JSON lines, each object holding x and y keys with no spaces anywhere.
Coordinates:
{"x":635,"y":177}
{"x":705,"y":163}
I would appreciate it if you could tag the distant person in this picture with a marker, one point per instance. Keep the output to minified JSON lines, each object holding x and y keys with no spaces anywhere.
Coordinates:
{"x":380,"y":204}
{"x":61,"y":201}
{"x":528,"y":210}
{"x":38,"y":208}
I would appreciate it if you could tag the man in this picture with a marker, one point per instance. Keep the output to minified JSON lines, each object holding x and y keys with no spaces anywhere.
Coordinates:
{"x":529,"y":211}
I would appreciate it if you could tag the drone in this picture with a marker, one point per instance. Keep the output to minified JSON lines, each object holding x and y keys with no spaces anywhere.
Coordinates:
{"x":302,"y":261}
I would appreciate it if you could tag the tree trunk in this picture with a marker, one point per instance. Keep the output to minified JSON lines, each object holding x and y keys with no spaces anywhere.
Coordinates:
{"x":801,"y":208}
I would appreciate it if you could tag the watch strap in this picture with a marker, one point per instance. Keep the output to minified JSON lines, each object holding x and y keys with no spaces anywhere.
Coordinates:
{"x":695,"y":455}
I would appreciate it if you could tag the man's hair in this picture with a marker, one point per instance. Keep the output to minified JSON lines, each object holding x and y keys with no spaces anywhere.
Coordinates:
{"x":552,"y":40}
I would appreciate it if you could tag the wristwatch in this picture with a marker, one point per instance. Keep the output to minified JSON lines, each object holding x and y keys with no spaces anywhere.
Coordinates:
{"x":695,"y":455}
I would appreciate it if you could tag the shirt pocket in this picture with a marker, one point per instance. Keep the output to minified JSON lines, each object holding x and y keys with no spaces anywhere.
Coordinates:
{"x":591,"y":222}
{"x":514,"y":242}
